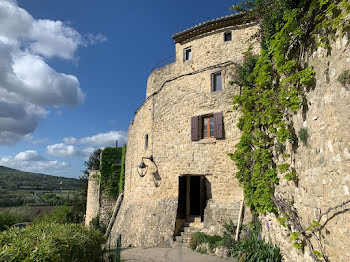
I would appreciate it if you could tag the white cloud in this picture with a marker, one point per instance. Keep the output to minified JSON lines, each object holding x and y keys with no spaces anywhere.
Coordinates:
{"x":28,"y":85}
{"x":96,"y":39}
{"x":32,"y":161}
{"x":53,"y":38}
{"x":29,"y":155}
{"x":62,"y":150}
{"x":101,"y":140}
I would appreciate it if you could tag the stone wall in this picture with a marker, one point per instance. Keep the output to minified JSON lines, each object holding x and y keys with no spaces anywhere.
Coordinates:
{"x":93,"y":197}
{"x":106,"y":208}
{"x":148,"y":213}
{"x":97,"y":202}
{"x":323,"y":166}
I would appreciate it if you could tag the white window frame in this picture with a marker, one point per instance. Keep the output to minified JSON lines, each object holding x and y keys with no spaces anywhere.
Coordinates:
{"x":185,"y":56}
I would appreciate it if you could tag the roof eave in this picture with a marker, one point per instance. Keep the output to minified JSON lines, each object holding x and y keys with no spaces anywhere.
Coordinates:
{"x":209,"y":26}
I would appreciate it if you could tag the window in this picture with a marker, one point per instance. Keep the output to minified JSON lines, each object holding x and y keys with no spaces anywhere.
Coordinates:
{"x":227,"y":36}
{"x":207,"y":126}
{"x":216,"y":81}
{"x":188,"y":54}
{"x":146,"y":141}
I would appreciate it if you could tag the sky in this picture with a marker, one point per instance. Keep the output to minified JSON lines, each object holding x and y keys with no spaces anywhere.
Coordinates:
{"x":73,"y":73}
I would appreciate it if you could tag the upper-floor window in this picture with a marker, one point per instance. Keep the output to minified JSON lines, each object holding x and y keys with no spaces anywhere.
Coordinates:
{"x":187,"y":54}
{"x":207,"y":126}
{"x":227,"y":36}
{"x":216,"y":81}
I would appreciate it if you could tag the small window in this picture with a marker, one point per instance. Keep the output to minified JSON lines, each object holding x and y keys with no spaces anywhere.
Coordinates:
{"x":188,"y":54}
{"x":216,"y":81}
{"x":146,"y":141}
{"x":227,"y":36}
{"x":208,"y":126}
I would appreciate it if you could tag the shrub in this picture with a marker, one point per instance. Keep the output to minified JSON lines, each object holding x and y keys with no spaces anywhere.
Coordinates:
{"x":52,"y":242}
{"x":61,"y":215}
{"x":252,"y":248}
{"x":95,"y":224}
{"x":199,"y":238}
{"x":7,"y":219}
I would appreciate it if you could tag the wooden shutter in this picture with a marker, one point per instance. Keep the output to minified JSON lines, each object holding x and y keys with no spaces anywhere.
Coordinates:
{"x":195,"y":128}
{"x":218,"y":125}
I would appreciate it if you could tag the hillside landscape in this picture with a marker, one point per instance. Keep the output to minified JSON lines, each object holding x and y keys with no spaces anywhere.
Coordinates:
{"x":25,"y":188}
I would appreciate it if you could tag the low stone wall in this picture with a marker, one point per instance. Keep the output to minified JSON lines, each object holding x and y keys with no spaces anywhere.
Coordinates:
{"x":217,"y":213}
{"x":106,"y":208}
{"x":145,"y":223}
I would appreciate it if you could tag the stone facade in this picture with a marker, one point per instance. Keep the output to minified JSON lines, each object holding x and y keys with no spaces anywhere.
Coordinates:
{"x":323,"y":166}
{"x":183,"y":89}
{"x":175,"y":94}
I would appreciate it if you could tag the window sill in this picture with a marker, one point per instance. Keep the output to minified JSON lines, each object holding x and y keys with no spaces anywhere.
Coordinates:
{"x":216,"y":92}
{"x":206,"y":141}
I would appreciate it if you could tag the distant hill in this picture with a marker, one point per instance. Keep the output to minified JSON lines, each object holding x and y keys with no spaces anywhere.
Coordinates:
{"x":12,"y":179}
{"x":18,"y":188}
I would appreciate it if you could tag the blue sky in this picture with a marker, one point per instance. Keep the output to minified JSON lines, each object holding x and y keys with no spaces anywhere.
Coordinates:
{"x":72,"y":73}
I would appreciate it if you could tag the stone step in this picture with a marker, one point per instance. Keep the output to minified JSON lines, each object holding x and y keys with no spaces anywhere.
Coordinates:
{"x":195,"y":219}
{"x":191,"y":230}
{"x":194,"y":224}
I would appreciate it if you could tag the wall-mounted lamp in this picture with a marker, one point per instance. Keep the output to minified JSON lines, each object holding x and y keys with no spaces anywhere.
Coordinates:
{"x":143,"y":167}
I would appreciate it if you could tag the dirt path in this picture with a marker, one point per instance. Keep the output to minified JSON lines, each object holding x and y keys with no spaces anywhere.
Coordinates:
{"x":168,"y":255}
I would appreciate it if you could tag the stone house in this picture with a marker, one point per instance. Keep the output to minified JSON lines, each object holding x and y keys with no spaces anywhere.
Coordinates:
{"x":178,"y":177}
{"x":182,"y":133}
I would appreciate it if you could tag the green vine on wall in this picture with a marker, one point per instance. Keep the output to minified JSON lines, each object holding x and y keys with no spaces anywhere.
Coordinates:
{"x":112,"y":170}
{"x":273,"y":88}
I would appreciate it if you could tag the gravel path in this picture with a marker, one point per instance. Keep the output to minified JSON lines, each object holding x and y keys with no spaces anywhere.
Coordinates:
{"x":168,"y":255}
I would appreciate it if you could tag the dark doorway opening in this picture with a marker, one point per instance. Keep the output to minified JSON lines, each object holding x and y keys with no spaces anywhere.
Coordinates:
{"x":195,"y":198}
{"x":192,"y":197}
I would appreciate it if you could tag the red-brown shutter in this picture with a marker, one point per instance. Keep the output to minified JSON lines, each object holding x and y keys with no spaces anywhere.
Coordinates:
{"x":218,"y":125}
{"x":195,"y":128}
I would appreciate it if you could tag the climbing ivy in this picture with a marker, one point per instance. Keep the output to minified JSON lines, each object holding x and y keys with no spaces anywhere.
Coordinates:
{"x":112,"y":170}
{"x":273,"y":87}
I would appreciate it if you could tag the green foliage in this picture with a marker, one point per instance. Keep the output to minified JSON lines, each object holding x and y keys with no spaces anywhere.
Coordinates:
{"x":303,"y":136}
{"x":61,"y":215}
{"x":95,"y":224}
{"x":24,"y":188}
{"x":314,"y":227}
{"x":344,"y":78}
{"x":318,"y":254}
{"x":251,"y":247}
{"x":282,"y":220}
{"x":297,"y":242}
{"x":199,"y":238}
{"x":292,"y":176}
{"x":122,"y":170}
{"x":273,"y":86}
{"x":229,"y":234}
{"x":112,"y":170}
{"x":52,"y":242}
{"x":7,"y":219}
